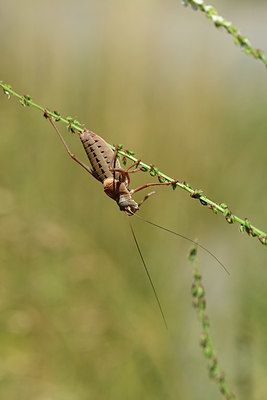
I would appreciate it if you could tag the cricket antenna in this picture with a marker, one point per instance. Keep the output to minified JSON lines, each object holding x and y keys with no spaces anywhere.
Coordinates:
{"x":186,"y":238}
{"x":148,"y":274}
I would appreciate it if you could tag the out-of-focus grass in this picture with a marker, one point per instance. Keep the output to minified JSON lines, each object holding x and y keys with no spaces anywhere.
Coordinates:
{"x":78,"y":319}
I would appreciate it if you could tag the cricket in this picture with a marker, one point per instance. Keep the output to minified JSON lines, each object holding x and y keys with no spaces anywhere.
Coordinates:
{"x":106,"y":168}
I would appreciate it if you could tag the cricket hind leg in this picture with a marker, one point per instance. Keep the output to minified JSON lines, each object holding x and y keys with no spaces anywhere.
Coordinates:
{"x":46,"y":115}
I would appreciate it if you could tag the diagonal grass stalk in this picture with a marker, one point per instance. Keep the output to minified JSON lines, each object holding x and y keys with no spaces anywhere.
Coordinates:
{"x":74,"y":125}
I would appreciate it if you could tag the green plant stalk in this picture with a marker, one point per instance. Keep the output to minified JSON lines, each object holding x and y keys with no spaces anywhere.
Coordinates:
{"x":199,"y":303}
{"x":219,"y":21}
{"x":74,"y":125}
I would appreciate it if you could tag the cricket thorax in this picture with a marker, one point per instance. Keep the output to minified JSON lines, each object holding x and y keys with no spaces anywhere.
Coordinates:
{"x":119,"y":192}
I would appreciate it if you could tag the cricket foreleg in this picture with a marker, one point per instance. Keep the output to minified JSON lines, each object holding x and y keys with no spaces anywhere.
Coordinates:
{"x":151,"y":184}
{"x":145,"y":198}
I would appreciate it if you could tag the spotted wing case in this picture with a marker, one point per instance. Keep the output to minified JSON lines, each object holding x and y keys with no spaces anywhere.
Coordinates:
{"x":100,"y":155}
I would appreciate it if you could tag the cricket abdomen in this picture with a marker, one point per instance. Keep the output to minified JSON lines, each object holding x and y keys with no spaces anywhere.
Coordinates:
{"x":100,"y":155}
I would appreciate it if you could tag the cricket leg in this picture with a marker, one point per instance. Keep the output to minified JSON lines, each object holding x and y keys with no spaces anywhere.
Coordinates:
{"x":152,"y":184}
{"x":66,"y":146}
{"x":145,"y":198}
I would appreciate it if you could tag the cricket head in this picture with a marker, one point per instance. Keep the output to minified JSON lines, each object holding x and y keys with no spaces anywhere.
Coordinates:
{"x":127,"y":204}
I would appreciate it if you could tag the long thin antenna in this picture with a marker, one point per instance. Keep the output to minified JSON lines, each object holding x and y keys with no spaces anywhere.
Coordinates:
{"x":186,"y":238}
{"x":148,"y":274}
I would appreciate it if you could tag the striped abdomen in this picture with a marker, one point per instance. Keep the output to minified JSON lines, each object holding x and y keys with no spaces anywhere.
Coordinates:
{"x":99,"y":154}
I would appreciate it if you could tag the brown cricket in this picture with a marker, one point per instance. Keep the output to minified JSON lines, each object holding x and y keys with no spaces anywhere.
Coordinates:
{"x":106,"y":168}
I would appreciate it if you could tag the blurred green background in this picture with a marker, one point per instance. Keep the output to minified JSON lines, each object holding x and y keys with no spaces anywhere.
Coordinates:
{"x":78,"y":319}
